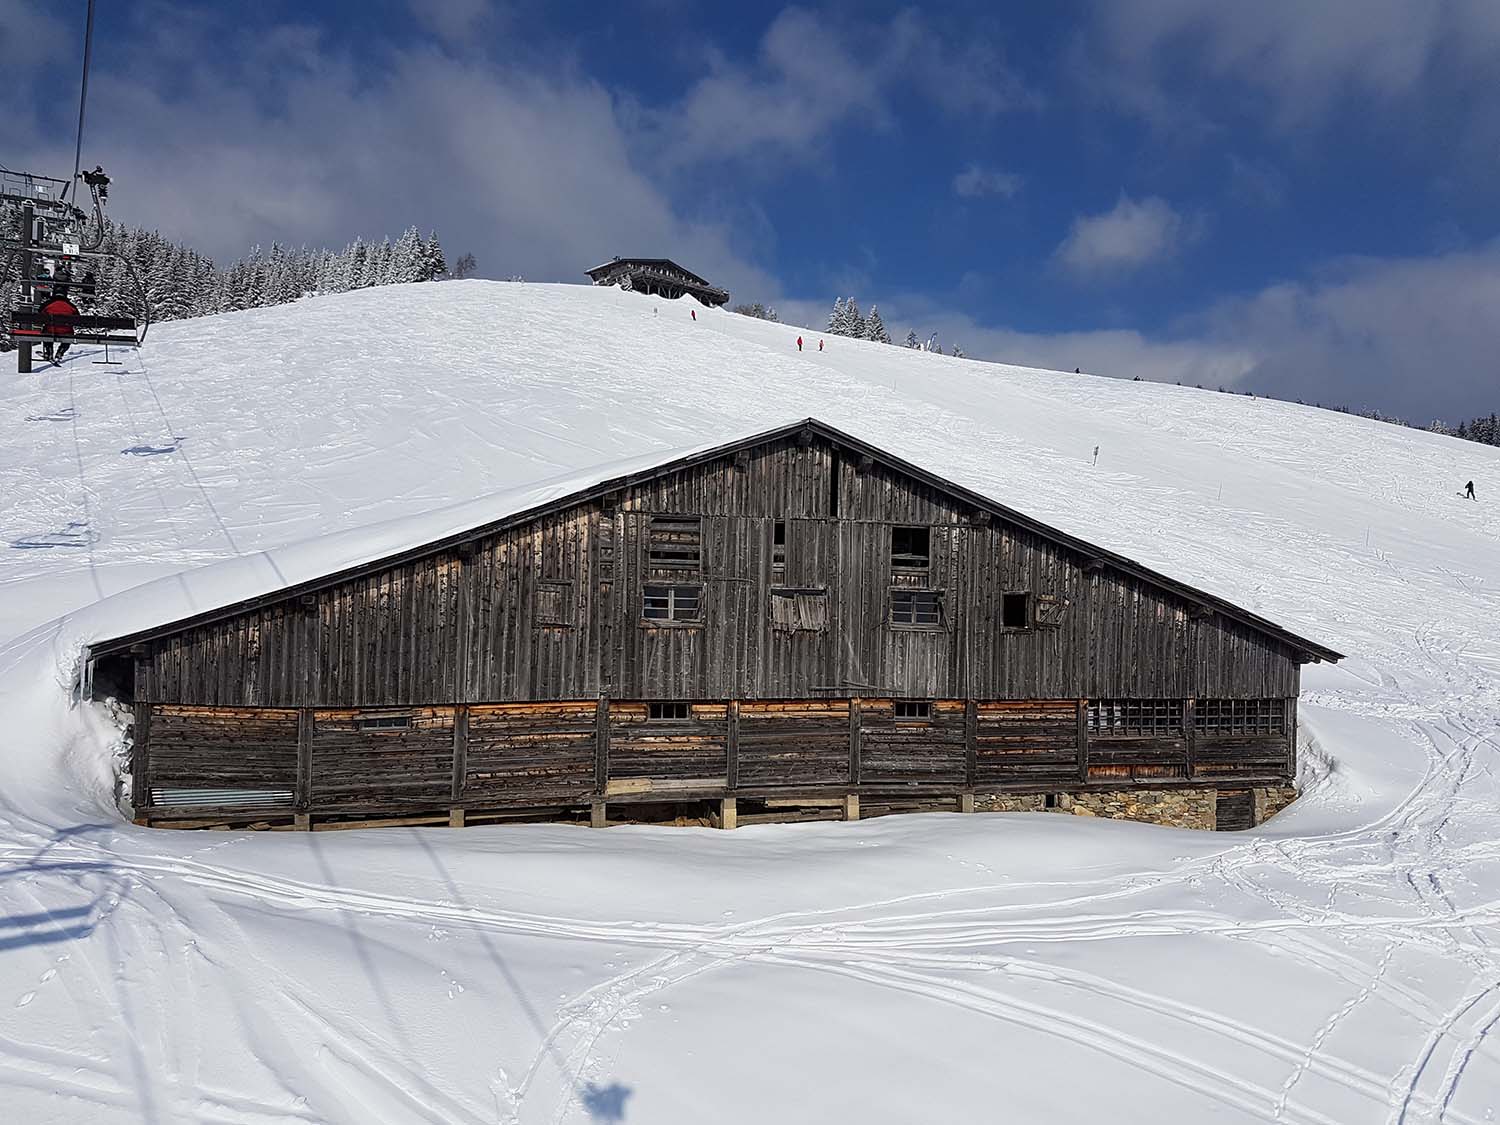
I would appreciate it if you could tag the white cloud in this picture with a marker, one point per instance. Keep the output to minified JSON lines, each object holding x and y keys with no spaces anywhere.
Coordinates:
{"x":455,"y":22}
{"x":1417,"y":336}
{"x":1132,"y":234}
{"x":280,"y":137}
{"x":814,"y":72}
{"x":975,"y":182}
{"x":1299,"y":58}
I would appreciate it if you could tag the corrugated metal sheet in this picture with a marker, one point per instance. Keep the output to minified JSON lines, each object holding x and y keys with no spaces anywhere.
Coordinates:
{"x":246,"y":798}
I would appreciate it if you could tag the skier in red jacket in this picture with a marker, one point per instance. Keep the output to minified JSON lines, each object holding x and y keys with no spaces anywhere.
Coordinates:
{"x":58,"y":306}
{"x":799,"y":343}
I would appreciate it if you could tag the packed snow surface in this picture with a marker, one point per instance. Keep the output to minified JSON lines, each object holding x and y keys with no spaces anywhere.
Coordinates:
{"x":1337,"y":965}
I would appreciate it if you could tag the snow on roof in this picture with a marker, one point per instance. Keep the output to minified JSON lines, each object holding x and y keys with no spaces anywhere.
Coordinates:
{"x":225,"y":583}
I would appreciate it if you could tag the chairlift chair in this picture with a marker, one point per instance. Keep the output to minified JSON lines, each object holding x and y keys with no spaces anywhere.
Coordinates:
{"x":53,"y":244}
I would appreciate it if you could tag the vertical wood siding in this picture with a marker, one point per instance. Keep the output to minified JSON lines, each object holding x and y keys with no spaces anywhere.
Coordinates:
{"x":552,"y":610}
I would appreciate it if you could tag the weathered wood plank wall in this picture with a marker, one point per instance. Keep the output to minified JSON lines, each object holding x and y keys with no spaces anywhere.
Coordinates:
{"x":553,"y":610}
{"x":347,"y":762}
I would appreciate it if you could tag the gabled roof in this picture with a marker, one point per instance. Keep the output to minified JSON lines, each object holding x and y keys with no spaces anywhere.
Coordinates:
{"x":649,"y":262}
{"x":1308,"y":650}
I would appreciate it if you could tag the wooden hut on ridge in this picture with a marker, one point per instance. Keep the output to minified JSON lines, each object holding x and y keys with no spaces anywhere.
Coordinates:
{"x":658,"y":277}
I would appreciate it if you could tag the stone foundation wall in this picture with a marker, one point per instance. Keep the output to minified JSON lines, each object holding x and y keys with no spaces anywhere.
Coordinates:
{"x":1010,"y":802}
{"x":1175,"y":808}
{"x":1270,"y":801}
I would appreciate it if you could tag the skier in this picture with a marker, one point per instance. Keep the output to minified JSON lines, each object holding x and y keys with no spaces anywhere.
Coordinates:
{"x":1469,"y":492}
{"x":799,"y":343}
{"x":58,"y":306}
{"x":820,"y":345}
{"x":694,"y":314}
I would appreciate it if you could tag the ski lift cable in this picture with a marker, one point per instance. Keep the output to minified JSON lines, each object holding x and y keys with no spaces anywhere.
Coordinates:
{"x":186,"y":460}
{"x":83,"y":99}
{"x":83,"y":488}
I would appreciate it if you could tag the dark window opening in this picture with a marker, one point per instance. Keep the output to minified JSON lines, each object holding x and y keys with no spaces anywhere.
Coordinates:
{"x":674,"y":543}
{"x":913,"y":710}
{"x":1015,"y":611}
{"x":917,"y":607}
{"x":778,"y":544}
{"x":672,"y":603}
{"x":667,"y":712}
{"x":911,"y":548}
{"x":1049,"y":801}
{"x":386,"y":722}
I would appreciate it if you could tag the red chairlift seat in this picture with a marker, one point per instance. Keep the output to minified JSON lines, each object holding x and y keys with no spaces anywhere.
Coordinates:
{"x":27,"y":326}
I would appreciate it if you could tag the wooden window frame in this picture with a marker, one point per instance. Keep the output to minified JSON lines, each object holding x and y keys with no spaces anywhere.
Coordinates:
{"x":383,"y":724}
{"x":1156,"y":717}
{"x":793,"y":592}
{"x":677,"y":559}
{"x":918,"y":710}
{"x":1263,"y":717}
{"x":671,"y":621}
{"x":565,"y":591}
{"x":912,"y":592}
{"x":669,"y":711}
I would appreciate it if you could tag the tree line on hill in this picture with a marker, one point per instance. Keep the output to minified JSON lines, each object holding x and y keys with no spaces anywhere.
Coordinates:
{"x":178,"y":282}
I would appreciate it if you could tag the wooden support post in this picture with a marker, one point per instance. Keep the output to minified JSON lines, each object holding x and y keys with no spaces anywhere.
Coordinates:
{"x":303,"y":803}
{"x":302,"y":822}
{"x":455,"y":818}
{"x":728,"y":813}
{"x":966,"y":802}
{"x":855,"y":740}
{"x":601,"y":749}
{"x":1290,"y":718}
{"x":1190,"y":735}
{"x":598,"y":814}
{"x":140,"y":758}
{"x":460,"y":755}
{"x":851,"y":806}
{"x":732,"y":746}
{"x":1083,"y":740}
{"x":971,"y":746}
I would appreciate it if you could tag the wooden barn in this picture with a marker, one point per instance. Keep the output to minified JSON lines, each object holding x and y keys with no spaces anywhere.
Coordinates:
{"x":658,"y":277}
{"x":793,"y":624}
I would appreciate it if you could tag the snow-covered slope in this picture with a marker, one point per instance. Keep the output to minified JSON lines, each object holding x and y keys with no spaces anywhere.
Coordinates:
{"x":1338,"y":965}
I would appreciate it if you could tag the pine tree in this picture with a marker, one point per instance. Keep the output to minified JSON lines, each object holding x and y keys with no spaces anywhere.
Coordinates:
{"x":837,"y":318}
{"x":436,"y":265}
{"x":407,"y":258}
{"x":957,"y":352}
{"x":875,"y":327}
{"x":855,"y":323}
{"x":911,"y":339}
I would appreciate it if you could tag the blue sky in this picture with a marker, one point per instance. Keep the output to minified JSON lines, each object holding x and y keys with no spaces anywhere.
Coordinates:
{"x":1284,"y":197}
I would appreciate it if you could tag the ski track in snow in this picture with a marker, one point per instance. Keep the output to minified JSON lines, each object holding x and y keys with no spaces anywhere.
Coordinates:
{"x":1337,"y":965}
